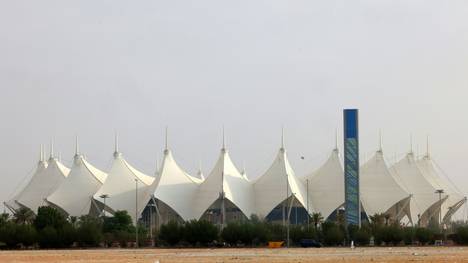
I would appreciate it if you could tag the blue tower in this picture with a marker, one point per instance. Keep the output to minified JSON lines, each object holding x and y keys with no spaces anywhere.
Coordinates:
{"x":351,"y":166}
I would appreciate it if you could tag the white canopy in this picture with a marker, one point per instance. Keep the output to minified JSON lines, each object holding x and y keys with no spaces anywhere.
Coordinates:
{"x":455,"y":198}
{"x":379,"y":189}
{"x":408,"y":174}
{"x":277,"y":184}
{"x":45,"y":181}
{"x":326,"y":185}
{"x":121,"y":186}
{"x":75,"y":194}
{"x":224,"y":179}
{"x":176,"y":188}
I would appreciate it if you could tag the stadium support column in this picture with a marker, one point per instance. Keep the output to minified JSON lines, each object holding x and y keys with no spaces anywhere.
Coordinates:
{"x":351,"y":167}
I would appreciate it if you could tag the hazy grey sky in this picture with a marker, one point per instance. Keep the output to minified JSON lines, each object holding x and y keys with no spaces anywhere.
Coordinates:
{"x":93,"y":67}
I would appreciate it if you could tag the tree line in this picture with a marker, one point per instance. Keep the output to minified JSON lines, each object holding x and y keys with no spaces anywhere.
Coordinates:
{"x":51,"y":229}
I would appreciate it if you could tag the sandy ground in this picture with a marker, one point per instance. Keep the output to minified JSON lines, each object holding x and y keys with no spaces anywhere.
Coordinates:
{"x":387,"y":254}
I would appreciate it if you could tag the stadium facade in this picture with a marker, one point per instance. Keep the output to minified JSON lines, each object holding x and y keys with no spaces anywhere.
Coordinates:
{"x":413,"y":191}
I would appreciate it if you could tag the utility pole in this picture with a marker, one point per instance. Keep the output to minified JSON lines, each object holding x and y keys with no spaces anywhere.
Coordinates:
{"x":440,"y":192}
{"x":308,"y":214}
{"x":287,"y":218}
{"x":136,"y":212}
{"x":104,"y":197}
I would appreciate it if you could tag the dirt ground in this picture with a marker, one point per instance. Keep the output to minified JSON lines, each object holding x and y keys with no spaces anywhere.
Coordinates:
{"x":296,"y":255}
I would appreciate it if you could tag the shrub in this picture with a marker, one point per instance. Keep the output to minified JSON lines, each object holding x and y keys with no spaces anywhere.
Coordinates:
{"x":409,"y":234}
{"x":121,"y":221}
{"x":171,"y":233}
{"x":26,"y":235}
{"x":362,"y":237}
{"x":461,"y":235}
{"x":89,"y":231}
{"x":231,"y":233}
{"x":48,"y":238}
{"x":261,"y":233}
{"x":424,"y":235}
{"x":201,"y":231}
{"x":332,"y":234}
{"x":48,"y":216}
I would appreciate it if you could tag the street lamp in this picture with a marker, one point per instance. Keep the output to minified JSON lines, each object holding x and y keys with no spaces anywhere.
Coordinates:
{"x":151,"y":219}
{"x":136,"y":212}
{"x":440,"y":192}
{"x":104,"y":197}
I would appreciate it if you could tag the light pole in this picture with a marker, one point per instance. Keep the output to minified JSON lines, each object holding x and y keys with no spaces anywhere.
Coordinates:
{"x":440,"y":192}
{"x":151,"y":220}
{"x":136,"y":212}
{"x":104,"y":197}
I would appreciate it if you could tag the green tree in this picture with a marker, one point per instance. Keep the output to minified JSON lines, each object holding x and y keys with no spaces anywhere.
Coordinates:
{"x":120,"y":221}
{"x":424,"y":235}
{"x":332,"y":234}
{"x":26,"y":234}
{"x":171,"y":233}
{"x":200,"y":232}
{"x":89,"y":231}
{"x":317,"y":219}
{"x":48,"y":216}
{"x":48,"y":238}
{"x":461,"y":235}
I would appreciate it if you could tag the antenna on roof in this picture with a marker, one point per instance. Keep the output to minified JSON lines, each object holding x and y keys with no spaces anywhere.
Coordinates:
{"x":224,"y":143}
{"x":77,"y":147}
{"x":165,"y":140}
{"x":282,"y":137}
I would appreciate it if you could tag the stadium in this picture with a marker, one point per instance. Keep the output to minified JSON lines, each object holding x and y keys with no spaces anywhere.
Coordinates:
{"x":412,"y":191}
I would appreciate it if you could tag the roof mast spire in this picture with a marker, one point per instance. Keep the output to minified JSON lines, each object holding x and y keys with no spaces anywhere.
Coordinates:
{"x":282,"y":137}
{"x":336,"y":139}
{"x":157,"y":165}
{"x":411,"y":143}
{"x":52,"y":148}
{"x":427,"y":147}
{"x":77,"y":147}
{"x":166,"y":141}
{"x":41,"y":154}
{"x":116,"y":142}
{"x":224,"y":142}
{"x":380,"y":140}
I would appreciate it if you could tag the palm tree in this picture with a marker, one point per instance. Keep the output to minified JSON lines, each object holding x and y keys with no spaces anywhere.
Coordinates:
{"x":4,"y":218}
{"x":377,"y":219}
{"x":387,"y":219}
{"x":73,"y":220}
{"x":23,"y":216}
{"x":317,"y":218}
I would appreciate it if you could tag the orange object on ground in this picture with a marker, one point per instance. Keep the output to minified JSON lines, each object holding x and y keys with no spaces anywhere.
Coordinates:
{"x":275,"y":244}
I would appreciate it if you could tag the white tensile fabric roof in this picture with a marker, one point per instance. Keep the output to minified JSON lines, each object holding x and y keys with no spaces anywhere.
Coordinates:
{"x":175,"y":187}
{"x":224,"y":178}
{"x":121,"y":187}
{"x":326,"y":185}
{"x":270,"y":188}
{"x":75,"y":194}
{"x":40,"y":168}
{"x":378,"y":188}
{"x":44,"y":182}
{"x":408,"y":174}
{"x":426,"y":165}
